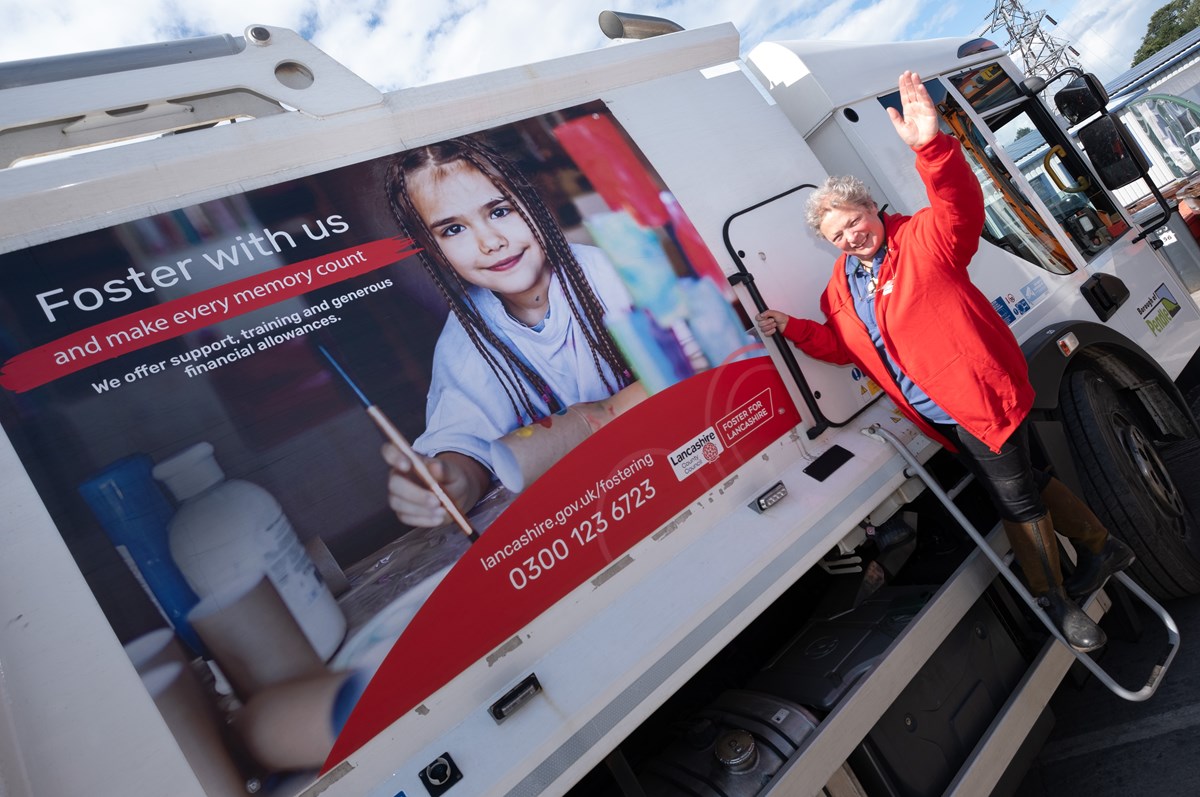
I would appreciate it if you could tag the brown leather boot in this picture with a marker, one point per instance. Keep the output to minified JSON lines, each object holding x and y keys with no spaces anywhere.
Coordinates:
{"x":1072,"y":517}
{"x":1093,"y":569}
{"x":1036,"y":551}
{"x":1099,"y":554}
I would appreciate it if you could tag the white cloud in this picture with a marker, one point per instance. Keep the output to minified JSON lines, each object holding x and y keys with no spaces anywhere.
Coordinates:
{"x":884,"y":21}
{"x":32,"y":31}
{"x":396,"y":43}
{"x":1106,"y":35}
{"x":940,"y":15}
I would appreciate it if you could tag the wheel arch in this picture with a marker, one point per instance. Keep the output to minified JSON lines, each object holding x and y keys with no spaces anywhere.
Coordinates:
{"x":1122,"y":361}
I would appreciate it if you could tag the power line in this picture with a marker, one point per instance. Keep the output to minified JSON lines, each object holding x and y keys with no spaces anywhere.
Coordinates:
{"x":1102,"y":54}
{"x":1042,"y":54}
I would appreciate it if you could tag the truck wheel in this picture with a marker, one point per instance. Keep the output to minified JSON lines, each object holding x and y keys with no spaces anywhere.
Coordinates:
{"x":1182,"y":459}
{"x":1129,"y":487}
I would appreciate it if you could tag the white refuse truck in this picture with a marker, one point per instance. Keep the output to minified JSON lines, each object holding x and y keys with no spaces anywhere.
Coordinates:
{"x":225,"y":282}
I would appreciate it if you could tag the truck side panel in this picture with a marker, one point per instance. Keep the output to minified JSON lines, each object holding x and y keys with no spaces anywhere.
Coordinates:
{"x":718,"y":144}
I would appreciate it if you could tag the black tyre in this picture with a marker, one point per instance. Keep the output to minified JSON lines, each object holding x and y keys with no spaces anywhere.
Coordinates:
{"x":1129,"y":487}
{"x":1183,"y":464}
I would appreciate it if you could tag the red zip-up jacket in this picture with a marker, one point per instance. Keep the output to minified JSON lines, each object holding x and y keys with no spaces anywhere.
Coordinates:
{"x":940,"y":330}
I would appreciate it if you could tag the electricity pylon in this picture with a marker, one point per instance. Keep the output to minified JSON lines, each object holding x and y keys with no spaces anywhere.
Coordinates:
{"x":1043,"y":54}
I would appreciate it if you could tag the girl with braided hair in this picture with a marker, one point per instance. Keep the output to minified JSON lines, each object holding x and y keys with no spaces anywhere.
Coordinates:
{"x":525,"y":337}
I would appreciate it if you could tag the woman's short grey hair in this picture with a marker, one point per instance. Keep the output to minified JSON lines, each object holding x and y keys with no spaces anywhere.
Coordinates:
{"x":836,"y":192}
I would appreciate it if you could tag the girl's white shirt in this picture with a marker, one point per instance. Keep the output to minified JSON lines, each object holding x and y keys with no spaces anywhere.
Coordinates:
{"x":468,"y":408}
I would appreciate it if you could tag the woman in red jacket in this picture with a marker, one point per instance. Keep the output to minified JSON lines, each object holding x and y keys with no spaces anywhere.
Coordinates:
{"x":900,"y":305}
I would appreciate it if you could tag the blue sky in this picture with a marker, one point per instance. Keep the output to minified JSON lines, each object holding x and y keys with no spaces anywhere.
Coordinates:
{"x":396,"y":43}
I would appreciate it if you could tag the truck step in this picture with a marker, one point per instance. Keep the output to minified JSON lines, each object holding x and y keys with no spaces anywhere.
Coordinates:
{"x":1164,"y":661}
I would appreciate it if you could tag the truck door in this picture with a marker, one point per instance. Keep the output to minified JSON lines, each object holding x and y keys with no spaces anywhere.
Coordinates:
{"x":774,"y":232}
{"x":1046,"y":207}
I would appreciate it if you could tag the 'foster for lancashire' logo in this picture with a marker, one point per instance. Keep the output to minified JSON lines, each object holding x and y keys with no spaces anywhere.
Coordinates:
{"x":696,"y":453}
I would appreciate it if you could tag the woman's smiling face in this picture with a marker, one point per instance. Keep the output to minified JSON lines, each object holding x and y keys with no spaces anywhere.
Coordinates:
{"x":855,"y":229}
{"x":484,"y":238}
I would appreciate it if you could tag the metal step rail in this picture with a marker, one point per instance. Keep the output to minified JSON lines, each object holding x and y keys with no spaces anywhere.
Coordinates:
{"x":1157,"y":671}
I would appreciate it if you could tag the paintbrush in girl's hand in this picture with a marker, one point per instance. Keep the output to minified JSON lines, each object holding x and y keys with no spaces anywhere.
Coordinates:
{"x":393,"y":434}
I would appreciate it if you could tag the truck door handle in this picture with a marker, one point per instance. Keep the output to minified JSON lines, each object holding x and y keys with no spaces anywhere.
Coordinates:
{"x":1105,"y":293}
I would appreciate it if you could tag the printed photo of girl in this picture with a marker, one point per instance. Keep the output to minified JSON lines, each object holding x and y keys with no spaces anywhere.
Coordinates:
{"x":529,"y":305}
{"x":525,"y":338}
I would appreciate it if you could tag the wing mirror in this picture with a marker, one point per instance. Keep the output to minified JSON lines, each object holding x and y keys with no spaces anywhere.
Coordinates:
{"x":1082,"y":97}
{"x":1108,"y":145}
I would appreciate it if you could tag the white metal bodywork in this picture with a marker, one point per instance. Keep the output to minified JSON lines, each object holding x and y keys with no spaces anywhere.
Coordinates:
{"x":86,"y":724}
{"x":599,"y":690}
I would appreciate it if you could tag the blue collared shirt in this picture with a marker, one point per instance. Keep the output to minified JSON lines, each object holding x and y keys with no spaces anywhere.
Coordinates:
{"x":864,"y":305}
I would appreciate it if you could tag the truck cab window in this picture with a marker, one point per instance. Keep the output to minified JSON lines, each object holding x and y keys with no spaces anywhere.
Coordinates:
{"x":1011,"y":222}
{"x":1049,"y":167}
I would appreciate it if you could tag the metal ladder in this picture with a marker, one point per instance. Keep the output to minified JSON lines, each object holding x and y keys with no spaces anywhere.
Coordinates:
{"x":1159,"y":669}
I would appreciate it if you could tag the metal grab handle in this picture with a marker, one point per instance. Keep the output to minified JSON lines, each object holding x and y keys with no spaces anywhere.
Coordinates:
{"x":1080,"y":185}
{"x":1159,"y":669}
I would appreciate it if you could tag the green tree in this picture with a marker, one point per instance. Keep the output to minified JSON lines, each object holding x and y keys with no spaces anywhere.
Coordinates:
{"x":1167,"y":24}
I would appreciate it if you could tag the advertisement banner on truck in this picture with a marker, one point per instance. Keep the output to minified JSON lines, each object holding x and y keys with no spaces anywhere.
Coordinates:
{"x":292,"y":435}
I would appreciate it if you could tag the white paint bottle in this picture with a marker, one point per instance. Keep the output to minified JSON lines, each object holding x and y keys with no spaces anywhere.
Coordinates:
{"x":226,"y":530}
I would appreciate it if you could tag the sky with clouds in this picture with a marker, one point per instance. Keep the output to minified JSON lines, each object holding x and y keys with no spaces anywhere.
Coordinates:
{"x":398,"y":43}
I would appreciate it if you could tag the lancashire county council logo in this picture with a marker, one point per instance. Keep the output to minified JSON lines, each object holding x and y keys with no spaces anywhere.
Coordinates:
{"x":696,"y":453}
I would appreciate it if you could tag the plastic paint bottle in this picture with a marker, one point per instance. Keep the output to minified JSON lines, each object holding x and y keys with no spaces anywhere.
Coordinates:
{"x":226,"y":530}
{"x":135,"y":514}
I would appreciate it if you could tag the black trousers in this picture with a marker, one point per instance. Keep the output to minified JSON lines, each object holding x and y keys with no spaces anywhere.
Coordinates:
{"x":1009,"y":477}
